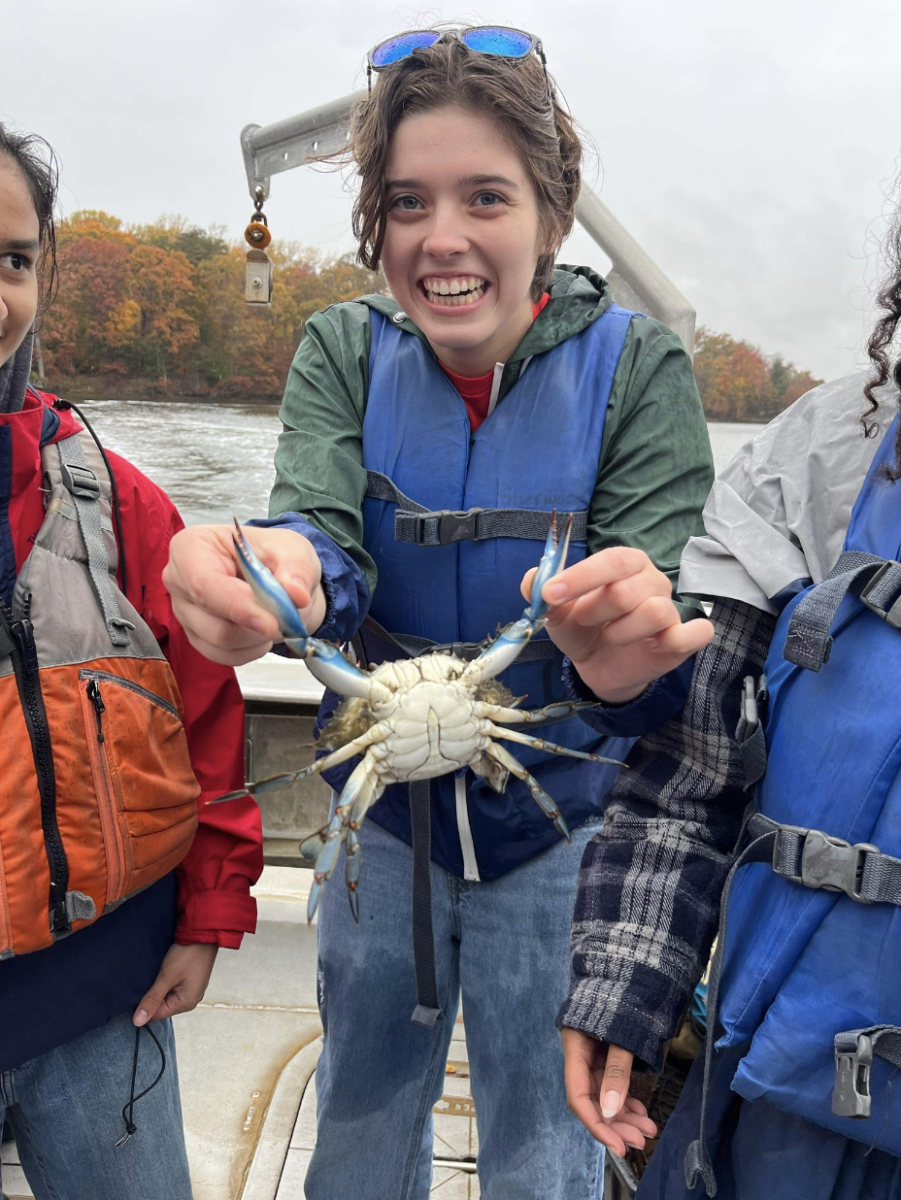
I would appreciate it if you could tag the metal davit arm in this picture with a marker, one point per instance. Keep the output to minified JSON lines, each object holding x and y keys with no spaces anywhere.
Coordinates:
{"x":635,"y":280}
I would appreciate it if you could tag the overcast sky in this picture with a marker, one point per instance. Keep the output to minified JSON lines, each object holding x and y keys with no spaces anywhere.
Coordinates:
{"x":749,"y":147}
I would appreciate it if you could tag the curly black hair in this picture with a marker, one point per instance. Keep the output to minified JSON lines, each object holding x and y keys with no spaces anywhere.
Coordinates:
{"x":885,"y":365}
{"x":36,"y":160}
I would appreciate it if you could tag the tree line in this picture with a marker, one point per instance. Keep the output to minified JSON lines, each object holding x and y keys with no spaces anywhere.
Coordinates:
{"x":158,"y":309}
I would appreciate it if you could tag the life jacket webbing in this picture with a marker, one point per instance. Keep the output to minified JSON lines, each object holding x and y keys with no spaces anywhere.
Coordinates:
{"x":876,"y":581}
{"x":83,"y":485}
{"x":428,"y":1009}
{"x":415,"y":523}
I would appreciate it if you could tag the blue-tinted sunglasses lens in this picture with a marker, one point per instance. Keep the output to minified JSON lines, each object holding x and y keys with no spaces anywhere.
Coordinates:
{"x":402,"y":46}
{"x":508,"y":43}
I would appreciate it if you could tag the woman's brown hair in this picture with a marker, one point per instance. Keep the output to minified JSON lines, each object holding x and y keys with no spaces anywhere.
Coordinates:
{"x":516,"y":93}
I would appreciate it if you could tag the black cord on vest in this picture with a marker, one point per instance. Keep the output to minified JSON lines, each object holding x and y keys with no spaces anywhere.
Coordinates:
{"x":128,"y":1111}
{"x":65,"y":405}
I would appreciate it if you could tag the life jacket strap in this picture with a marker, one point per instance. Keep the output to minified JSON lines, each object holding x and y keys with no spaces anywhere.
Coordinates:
{"x":84,"y":487}
{"x":818,"y":860}
{"x":854,"y":1051}
{"x":876,"y":581}
{"x":442,"y":527}
{"x":428,"y":1010}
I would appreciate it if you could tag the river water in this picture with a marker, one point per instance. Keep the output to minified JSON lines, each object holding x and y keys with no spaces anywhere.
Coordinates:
{"x":215,"y":461}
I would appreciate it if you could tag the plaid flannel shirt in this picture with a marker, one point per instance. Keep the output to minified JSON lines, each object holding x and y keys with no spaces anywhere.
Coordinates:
{"x":647,"y":905}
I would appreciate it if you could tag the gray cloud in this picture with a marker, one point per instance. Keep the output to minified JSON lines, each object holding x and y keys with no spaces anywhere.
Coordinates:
{"x":747,"y":147}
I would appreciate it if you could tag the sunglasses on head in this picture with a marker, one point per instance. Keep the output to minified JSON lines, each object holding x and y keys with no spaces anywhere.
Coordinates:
{"x":481,"y":39}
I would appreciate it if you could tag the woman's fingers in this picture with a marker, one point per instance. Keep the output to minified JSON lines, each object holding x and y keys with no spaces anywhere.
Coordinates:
{"x":614,"y":1086}
{"x":600,"y":570}
{"x":216,"y":607}
{"x":585,"y":1070}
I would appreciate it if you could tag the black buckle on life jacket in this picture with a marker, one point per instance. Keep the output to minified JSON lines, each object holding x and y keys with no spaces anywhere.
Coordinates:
{"x":892,"y":614}
{"x":829,"y":863}
{"x":80,"y":481}
{"x":446,"y":527}
{"x":851,"y":1094}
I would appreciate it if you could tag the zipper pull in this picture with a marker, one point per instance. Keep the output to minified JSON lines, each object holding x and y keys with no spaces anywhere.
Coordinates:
{"x":23,"y":632}
{"x":99,"y":707}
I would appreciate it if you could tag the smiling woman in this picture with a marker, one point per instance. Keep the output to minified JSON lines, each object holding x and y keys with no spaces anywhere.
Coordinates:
{"x":462,"y":236}
{"x":492,"y":389}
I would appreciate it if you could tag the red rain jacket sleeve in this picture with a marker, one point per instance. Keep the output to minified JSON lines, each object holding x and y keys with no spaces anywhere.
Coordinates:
{"x":214,"y":880}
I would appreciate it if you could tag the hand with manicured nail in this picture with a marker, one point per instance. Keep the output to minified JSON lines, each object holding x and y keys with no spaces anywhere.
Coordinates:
{"x":216,"y":607}
{"x":613,"y":615}
{"x":597,"y":1092}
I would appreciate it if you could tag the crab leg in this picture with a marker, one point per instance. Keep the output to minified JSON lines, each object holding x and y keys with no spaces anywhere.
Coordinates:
{"x":524,"y":739}
{"x":361,"y":790}
{"x":325,"y":661}
{"x":376,"y":734}
{"x":544,"y":801}
{"x":508,"y":645}
{"x":535,"y":716}
{"x":353,"y":862}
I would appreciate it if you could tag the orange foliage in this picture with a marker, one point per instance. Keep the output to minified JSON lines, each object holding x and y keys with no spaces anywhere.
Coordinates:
{"x":165,"y":302}
{"x":738,"y":383}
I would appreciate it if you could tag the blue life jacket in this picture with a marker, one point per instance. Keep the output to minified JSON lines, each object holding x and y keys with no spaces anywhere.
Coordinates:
{"x":539,"y":449}
{"x":803,"y":964}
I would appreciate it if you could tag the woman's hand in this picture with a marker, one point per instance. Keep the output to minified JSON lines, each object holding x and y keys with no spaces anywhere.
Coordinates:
{"x":180,"y":984}
{"x":597,"y":1092}
{"x":613,"y":615}
{"x":215,"y":606}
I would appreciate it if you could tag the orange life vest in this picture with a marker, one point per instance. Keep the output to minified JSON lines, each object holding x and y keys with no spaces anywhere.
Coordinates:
{"x":97,"y":796}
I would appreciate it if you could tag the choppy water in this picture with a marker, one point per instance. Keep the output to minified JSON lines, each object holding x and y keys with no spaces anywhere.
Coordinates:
{"x":215,"y":461}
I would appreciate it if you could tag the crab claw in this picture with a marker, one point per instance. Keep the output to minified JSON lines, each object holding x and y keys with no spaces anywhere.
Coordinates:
{"x":324,"y":661}
{"x":509,"y":643}
{"x":552,"y":563}
{"x":269,"y":593}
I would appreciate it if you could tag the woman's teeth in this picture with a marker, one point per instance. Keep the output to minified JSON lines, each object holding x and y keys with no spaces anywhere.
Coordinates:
{"x":455,"y":292}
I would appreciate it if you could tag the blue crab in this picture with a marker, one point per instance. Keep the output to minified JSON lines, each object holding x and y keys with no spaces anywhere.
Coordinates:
{"x":420,"y":717}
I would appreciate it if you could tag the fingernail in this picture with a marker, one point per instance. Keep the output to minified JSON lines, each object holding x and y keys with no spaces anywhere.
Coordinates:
{"x":653,"y":643}
{"x":259,"y":626}
{"x":610,"y":1104}
{"x":142,"y":1014}
{"x":555,"y":591}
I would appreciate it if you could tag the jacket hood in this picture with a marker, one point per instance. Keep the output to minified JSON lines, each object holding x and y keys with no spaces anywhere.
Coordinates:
{"x":579,"y":296}
{"x":14,"y":377}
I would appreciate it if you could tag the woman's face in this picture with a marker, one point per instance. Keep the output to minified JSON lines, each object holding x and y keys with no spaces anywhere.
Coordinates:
{"x":19,"y":250}
{"x":461,"y":236}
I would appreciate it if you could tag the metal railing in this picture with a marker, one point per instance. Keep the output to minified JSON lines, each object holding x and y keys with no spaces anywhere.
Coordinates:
{"x":635,"y":280}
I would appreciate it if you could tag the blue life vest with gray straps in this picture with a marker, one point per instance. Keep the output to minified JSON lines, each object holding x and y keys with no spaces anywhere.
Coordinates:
{"x":538,"y":450}
{"x":811,"y":974}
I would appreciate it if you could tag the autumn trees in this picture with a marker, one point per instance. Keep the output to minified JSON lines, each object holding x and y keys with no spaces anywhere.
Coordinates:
{"x":737,"y":383}
{"x":146,"y":309}
{"x":160,"y":307}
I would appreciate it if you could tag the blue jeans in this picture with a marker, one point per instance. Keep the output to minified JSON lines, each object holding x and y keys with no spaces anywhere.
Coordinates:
{"x":505,"y":946}
{"x":65,"y":1109}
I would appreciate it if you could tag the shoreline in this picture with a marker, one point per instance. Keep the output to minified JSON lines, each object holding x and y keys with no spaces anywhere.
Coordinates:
{"x":81,"y":391}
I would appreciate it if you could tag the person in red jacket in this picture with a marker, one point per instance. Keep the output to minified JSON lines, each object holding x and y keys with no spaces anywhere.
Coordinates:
{"x":71,"y":1015}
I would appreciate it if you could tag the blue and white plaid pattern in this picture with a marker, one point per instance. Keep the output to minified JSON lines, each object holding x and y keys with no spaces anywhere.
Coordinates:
{"x":647,"y":905}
